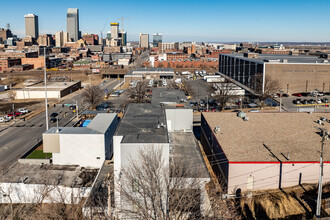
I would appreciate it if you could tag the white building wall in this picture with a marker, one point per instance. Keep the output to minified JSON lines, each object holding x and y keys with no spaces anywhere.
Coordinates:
{"x":86,"y":150}
{"x":179,"y":120}
{"x":267,"y":175}
{"x":40,"y":193}
{"x":27,"y":94}
{"x":123,"y":154}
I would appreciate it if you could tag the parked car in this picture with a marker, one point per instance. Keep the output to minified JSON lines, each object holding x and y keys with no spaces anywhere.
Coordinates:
{"x":297,"y":94}
{"x":305,"y":102}
{"x":325,"y":100}
{"x":72,"y":107}
{"x":12,"y":114}
{"x":312,"y":101}
{"x":254,"y":110}
{"x":23,"y":110}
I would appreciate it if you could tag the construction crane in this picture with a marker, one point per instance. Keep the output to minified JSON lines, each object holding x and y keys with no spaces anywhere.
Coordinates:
{"x":122,"y":27}
{"x":101,"y":31}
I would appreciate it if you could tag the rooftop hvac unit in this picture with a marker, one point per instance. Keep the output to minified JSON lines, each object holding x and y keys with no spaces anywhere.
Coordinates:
{"x":217,"y":129}
{"x":246,"y":118}
{"x":241,"y":114}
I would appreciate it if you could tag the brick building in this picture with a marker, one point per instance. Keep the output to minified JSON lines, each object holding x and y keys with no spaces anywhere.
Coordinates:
{"x":5,"y":34}
{"x":7,"y":55}
{"x":176,"y":56}
{"x":91,"y":39}
{"x":5,"y":64}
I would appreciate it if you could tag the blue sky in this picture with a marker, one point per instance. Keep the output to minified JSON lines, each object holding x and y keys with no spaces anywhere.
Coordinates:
{"x":183,"y":20}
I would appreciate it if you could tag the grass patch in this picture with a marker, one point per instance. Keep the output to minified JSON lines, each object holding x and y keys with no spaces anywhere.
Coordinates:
{"x":39,"y":154}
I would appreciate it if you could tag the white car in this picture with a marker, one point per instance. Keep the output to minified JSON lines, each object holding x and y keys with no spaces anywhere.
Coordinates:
{"x":5,"y":119}
{"x":254,"y":110}
{"x":23,"y":110}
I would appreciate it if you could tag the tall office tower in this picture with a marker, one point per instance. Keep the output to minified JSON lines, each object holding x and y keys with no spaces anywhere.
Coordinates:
{"x":144,"y":40}
{"x":157,"y":38}
{"x":31,"y":26}
{"x":72,"y":24}
{"x":123,"y":37}
{"x":114,"y":30}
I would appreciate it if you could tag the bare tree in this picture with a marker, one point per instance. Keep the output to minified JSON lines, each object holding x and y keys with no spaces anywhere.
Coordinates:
{"x":93,"y":95}
{"x":139,"y":91}
{"x":223,"y":94}
{"x":151,"y":187}
{"x":265,"y":87}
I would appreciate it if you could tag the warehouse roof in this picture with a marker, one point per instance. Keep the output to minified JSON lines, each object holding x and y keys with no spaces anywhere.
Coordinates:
{"x":140,"y":124}
{"x":275,"y":58}
{"x":269,"y":137}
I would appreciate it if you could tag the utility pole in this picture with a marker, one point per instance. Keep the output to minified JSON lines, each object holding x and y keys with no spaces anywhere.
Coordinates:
{"x":45,"y":79}
{"x":77,"y":108}
{"x":325,"y":136}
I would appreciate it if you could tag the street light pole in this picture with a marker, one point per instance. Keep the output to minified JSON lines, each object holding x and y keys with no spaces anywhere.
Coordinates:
{"x":45,"y":80}
{"x":319,"y":193}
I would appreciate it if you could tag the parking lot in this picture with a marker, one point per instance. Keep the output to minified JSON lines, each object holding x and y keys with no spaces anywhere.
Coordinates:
{"x":318,"y":103}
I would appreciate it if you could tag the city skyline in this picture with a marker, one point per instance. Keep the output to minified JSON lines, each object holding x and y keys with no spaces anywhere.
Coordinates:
{"x":213,"y":21}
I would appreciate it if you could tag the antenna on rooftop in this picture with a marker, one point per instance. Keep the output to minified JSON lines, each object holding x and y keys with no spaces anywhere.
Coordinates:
{"x":8,"y":26}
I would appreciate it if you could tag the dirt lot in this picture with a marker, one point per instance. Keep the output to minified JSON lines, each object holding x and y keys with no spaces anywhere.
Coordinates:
{"x":7,"y":106}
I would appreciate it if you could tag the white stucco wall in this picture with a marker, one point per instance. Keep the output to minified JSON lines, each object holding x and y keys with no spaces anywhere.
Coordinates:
{"x":267,"y":175}
{"x":81,"y":149}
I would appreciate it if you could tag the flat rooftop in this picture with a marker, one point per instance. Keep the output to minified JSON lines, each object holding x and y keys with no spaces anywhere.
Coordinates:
{"x":101,"y":122}
{"x":184,"y":149}
{"x":99,"y":125}
{"x":168,"y":97}
{"x":139,"y":124}
{"x":269,"y":137}
{"x":272,"y":58}
{"x":71,"y":176}
{"x":51,"y":86}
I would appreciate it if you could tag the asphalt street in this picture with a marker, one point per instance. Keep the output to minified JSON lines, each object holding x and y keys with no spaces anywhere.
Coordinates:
{"x":21,"y":136}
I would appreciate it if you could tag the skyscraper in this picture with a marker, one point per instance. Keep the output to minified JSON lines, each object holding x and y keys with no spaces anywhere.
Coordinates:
{"x":31,"y":25}
{"x":157,"y":38}
{"x":72,"y":24}
{"x":123,"y":37}
{"x":144,"y":40}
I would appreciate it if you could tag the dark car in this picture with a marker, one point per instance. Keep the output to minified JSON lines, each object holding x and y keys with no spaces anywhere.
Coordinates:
{"x":54,"y":115}
{"x":72,"y":107}
{"x":325,"y":100}
{"x":297,"y":94}
{"x":305,"y":102}
{"x":312,"y":101}
{"x":53,"y":120}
